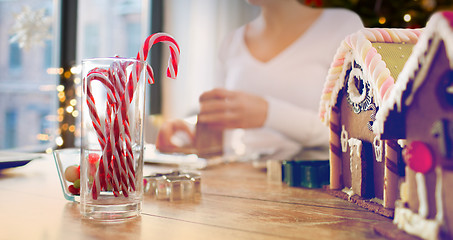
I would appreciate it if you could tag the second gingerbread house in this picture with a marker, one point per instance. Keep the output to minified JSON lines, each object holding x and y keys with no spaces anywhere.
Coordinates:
{"x":419,"y":112}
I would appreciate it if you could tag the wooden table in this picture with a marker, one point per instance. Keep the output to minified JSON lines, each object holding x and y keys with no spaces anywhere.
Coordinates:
{"x":237,"y":202}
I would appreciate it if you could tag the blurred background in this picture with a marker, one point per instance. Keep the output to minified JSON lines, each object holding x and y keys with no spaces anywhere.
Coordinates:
{"x":42,"y":43}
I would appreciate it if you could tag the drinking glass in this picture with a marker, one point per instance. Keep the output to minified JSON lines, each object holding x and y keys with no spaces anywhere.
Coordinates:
{"x":111,"y":170}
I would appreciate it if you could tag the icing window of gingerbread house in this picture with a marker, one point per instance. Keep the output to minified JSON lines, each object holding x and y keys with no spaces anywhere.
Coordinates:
{"x":446,"y":88}
{"x":359,"y":96}
{"x":356,"y":87}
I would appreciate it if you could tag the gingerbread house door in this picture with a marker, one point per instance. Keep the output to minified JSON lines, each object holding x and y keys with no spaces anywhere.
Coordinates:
{"x":361,"y":168}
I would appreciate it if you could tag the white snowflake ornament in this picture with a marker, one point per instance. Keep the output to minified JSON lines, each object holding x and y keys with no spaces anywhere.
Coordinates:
{"x":31,"y":28}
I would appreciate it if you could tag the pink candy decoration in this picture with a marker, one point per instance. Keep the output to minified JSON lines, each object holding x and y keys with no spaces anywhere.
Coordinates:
{"x":385,"y":86}
{"x":337,"y":62}
{"x":418,"y":157}
{"x":448,"y":15}
{"x":385,"y":35}
{"x":370,"y":56}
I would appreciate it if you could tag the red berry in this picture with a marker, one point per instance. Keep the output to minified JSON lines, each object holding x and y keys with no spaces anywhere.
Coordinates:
{"x":73,"y":190}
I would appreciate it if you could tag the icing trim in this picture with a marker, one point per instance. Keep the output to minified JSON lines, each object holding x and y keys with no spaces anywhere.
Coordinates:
{"x":354,"y":93}
{"x":439,"y":198}
{"x":357,"y":143}
{"x":358,"y":47}
{"x":422,"y":195}
{"x":438,"y":28}
{"x":416,"y":225}
{"x":344,"y":139}
{"x":354,"y":142}
{"x":377,"y":143}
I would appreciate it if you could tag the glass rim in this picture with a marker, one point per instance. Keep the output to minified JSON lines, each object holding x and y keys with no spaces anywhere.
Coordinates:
{"x":111,"y":59}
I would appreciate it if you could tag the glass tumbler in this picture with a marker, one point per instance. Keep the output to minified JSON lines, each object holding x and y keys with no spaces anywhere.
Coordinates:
{"x":111,"y":164}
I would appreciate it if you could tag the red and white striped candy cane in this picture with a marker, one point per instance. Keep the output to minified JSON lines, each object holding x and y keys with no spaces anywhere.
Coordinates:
{"x":100,"y":182}
{"x":120,"y":79}
{"x":119,"y":162}
{"x":92,"y":105}
{"x":172,"y":71}
{"x":112,"y":154}
{"x":131,"y":85}
{"x":172,"y":68}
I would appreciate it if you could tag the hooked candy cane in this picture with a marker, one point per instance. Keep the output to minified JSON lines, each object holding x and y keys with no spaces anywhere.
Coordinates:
{"x":172,"y":68}
{"x":120,"y":165}
{"x":99,"y":75}
{"x":120,"y":84}
{"x":112,"y":154}
{"x":142,"y":55}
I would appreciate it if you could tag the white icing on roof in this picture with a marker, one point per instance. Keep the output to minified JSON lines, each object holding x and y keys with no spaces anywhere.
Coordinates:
{"x":358,"y":47}
{"x":437,"y":28}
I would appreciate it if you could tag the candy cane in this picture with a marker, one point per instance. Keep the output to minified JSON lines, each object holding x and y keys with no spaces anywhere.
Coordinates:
{"x":172,"y":71}
{"x":116,"y":169}
{"x":121,"y":81}
{"x":117,"y":161}
{"x":98,"y":75}
{"x":172,"y":68}
{"x":131,"y":85}
{"x":92,"y":105}
{"x":112,"y":150}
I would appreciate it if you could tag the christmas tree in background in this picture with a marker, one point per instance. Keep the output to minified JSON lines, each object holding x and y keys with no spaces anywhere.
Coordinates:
{"x":388,"y":13}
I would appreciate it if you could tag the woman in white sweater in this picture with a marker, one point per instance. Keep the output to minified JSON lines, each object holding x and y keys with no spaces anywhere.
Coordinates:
{"x":274,"y":71}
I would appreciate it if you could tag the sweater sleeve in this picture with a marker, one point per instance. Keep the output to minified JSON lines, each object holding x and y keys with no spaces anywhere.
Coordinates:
{"x":301,"y":125}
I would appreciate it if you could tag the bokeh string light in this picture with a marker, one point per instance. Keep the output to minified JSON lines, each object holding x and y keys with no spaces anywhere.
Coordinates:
{"x":388,"y":14}
{"x":68,"y":93}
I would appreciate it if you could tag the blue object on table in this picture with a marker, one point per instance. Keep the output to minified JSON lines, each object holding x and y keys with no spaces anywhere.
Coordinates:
{"x":306,"y":173}
{"x":15,"y":159}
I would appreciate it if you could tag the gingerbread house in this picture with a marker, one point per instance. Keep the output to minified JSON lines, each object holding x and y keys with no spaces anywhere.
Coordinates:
{"x":363,"y":168}
{"x":420,"y":110}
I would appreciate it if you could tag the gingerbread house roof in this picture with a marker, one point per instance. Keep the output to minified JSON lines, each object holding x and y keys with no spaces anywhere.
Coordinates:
{"x":373,"y":49}
{"x":439,"y":27}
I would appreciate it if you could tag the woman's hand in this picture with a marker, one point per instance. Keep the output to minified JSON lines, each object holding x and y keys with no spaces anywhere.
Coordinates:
{"x":224,"y":109}
{"x":174,"y":136}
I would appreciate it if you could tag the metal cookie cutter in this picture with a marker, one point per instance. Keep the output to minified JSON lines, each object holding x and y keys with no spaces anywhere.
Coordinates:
{"x":173,"y":186}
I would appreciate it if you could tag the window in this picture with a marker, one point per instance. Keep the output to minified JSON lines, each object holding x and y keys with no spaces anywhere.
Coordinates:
{"x":110,"y":28}
{"x":28,"y":102}
{"x":15,"y":57}
{"x":91,"y":40}
{"x":10,"y":129}
{"x":48,"y":54}
{"x":134,"y":42}
{"x":446,"y":88}
{"x":39,"y":85}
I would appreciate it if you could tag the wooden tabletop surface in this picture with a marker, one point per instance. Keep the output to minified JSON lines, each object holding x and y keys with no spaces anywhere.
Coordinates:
{"x":237,"y":202}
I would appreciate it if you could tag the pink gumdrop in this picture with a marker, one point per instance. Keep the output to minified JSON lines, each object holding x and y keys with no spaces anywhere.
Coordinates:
{"x":418,"y":157}
{"x":93,"y":158}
